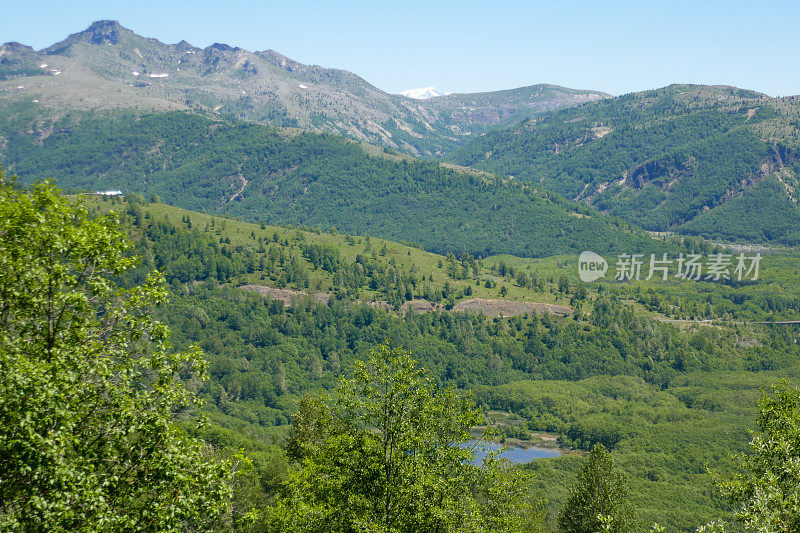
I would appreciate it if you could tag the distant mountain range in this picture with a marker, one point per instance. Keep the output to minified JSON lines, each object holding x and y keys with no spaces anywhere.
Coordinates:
{"x":109,"y":66}
{"x":424,"y":93}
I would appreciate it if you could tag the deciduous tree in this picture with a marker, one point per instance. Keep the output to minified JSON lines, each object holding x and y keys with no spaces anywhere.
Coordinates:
{"x":767,"y":491}
{"x":384,"y":455}
{"x":89,"y":389}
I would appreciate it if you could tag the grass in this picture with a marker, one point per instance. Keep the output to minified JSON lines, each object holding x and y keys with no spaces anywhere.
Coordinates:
{"x":404,"y":256}
{"x":779,"y":280}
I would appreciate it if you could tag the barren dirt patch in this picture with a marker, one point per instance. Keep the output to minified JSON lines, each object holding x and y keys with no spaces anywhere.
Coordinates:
{"x":285,"y":295}
{"x":497,"y":307}
{"x":489,"y":307}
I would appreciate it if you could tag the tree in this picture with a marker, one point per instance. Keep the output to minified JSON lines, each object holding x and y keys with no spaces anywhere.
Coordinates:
{"x":88,"y":387}
{"x":387,"y":453}
{"x":563,"y":284}
{"x":767,"y":492}
{"x":599,"y":499}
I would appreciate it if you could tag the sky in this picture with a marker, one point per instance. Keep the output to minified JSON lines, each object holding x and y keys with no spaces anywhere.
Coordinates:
{"x":470,"y":46}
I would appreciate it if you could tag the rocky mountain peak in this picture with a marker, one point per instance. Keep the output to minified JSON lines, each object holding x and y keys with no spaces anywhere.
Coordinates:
{"x":185,"y":46}
{"x":14,"y":46}
{"x":104,"y":32}
{"x":266,"y":86}
{"x":221,"y":47}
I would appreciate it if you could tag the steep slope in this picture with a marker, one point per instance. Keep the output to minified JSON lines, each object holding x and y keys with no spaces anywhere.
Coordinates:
{"x":663,"y":158}
{"x":108,"y":66}
{"x":256,"y":173}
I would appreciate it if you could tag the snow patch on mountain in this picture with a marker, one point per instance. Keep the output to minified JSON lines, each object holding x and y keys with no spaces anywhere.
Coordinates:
{"x":423,"y":93}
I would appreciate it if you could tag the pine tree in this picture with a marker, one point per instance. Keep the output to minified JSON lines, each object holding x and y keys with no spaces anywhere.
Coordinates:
{"x":599,"y":499}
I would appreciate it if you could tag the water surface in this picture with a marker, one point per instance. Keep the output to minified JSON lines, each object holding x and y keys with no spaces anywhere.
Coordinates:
{"x":514,"y":454}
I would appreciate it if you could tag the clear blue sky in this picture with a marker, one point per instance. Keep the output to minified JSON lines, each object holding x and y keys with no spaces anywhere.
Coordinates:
{"x":468,"y":46}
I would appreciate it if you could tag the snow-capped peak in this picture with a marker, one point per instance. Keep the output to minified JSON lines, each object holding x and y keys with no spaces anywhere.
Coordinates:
{"x":424,"y":93}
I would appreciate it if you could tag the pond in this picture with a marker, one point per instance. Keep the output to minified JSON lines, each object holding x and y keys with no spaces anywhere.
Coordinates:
{"x":516,"y":454}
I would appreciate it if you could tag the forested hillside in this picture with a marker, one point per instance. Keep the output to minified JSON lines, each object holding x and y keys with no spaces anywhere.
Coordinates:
{"x":665,"y":398}
{"x":261,"y":174}
{"x":700,"y":160}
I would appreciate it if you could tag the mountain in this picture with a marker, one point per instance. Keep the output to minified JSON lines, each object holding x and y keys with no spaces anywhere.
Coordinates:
{"x":257,"y":173}
{"x":424,"y":93}
{"x":716,"y":161}
{"x":109,"y":66}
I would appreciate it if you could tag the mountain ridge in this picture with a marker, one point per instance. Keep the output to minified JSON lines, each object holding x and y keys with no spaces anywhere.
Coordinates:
{"x":665,"y":159}
{"x":261,"y":86}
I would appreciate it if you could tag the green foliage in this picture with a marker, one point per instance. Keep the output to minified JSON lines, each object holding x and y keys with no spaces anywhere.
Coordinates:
{"x":767,"y":493}
{"x":667,"y":398}
{"x":746,"y":216}
{"x":668,"y":159}
{"x":383,"y":455}
{"x":665,"y":437}
{"x":599,"y":500}
{"x":256,"y":173}
{"x":88,"y":386}
{"x":663,"y":397}
{"x":774,"y":296}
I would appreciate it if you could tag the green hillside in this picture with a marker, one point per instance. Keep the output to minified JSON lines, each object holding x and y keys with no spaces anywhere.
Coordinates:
{"x":663,"y":158}
{"x":264,"y":175}
{"x":667,"y":398}
{"x":390,"y":275}
{"x":281,"y":313}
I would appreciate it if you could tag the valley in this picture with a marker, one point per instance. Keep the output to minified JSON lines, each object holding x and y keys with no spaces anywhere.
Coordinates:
{"x":243,"y":293}
{"x":607,"y":372}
